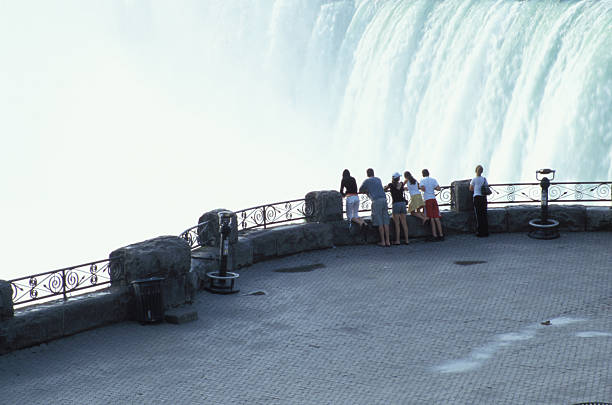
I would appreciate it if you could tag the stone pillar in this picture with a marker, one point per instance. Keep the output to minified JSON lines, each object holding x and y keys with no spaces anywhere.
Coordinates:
{"x":209,"y":233}
{"x":6,"y":300}
{"x":168,"y":257}
{"x":323,"y":206}
{"x":461,"y":196}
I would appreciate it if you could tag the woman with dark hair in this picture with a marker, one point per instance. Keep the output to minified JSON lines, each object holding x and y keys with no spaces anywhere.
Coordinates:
{"x":348,"y":189}
{"x":480,"y":203}
{"x":416,"y":205}
{"x":396,"y":187}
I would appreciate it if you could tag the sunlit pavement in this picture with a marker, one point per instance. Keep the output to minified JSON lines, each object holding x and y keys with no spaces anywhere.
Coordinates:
{"x":371,"y":325}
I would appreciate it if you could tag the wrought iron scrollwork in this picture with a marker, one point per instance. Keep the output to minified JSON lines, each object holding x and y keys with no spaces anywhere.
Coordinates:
{"x":444,"y":196}
{"x":267,"y":215}
{"x":192,"y":235}
{"x":308,"y":208}
{"x":92,"y":275}
{"x":64,"y":282}
{"x":526,"y":193}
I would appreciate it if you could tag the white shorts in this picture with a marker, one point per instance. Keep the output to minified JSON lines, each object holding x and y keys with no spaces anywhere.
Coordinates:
{"x":352,"y":207}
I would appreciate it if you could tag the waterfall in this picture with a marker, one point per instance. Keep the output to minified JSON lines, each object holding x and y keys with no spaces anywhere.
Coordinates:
{"x":126,"y":119}
{"x":513,"y":85}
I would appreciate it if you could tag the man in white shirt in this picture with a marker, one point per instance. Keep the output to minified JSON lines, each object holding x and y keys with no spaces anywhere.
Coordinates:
{"x":429,"y":186}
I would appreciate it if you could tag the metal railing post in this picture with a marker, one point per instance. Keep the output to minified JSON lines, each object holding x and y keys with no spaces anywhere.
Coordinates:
{"x":264,"y":216}
{"x":64,"y":284}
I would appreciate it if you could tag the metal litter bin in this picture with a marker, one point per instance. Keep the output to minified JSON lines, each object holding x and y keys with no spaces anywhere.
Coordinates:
{"x":149,"y":300}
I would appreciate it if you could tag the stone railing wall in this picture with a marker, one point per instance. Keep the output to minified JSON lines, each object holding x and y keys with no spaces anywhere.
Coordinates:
{"x":168,"y":257}
{"x":183,"y":270}
{"x":326,"y":228}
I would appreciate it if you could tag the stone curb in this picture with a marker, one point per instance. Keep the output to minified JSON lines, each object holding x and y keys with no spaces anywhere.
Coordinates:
{"x":45,"y":322}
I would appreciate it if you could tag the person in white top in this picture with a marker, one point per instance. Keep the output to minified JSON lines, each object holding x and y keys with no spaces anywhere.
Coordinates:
{"x":480,"y":203}
{"x":429,"y":186}
{"x":416,"y":205}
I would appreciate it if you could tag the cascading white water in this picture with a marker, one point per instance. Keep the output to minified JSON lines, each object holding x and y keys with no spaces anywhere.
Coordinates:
{"x":514,"y":85}
{"x":126,"y":119}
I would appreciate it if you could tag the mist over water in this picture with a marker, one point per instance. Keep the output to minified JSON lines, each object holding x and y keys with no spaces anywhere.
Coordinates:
{"x":515,"y":86}
{"x":124,"y":120}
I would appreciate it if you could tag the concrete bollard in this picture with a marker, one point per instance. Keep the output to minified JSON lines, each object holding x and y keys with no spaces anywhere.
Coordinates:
{"x":167,"y":257}
{"x":6,"y":300}
{"x":461,"y":196}
{"x":323,"y":206}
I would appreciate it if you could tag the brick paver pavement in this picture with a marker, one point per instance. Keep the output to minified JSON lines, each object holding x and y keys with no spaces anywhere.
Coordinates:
{"x":370,"y":325}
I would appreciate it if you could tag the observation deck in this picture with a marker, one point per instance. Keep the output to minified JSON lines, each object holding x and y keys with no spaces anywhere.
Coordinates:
{"x":461,"y":322}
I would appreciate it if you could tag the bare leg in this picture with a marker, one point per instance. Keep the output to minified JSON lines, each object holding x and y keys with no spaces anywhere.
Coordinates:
{"x":386,"y":230}
{"x":381,"y":231}
{"x":405,"y":226}
{"x":439,"y":226}
{"x":397,"y":228}
{"x":422,"y":212}
{"x":433,"y":227}
{"x":419,"y":215}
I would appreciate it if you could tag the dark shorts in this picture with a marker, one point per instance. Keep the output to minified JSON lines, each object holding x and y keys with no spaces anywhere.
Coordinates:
{"x":431,"y":208}
{"x":399,"y":208}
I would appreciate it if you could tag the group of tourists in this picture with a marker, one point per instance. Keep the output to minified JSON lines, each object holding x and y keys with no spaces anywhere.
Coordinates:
{"x":422,"y":206}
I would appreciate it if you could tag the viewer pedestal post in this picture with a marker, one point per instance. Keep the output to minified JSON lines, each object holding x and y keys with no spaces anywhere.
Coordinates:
{"x":223,"y":281}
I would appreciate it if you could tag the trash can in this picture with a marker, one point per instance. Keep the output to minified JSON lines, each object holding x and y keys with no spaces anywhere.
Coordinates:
{"x":149,"y":300}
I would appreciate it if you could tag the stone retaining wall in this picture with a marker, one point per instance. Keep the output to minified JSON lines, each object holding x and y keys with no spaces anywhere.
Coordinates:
{"x":168,"y":257}
{"x":53,"y":320}
{"x":264,"y":244}
{"x":184,"y":270}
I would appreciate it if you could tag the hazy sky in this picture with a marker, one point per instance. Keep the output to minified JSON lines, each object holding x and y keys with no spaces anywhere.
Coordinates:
{"x":123,"y":120}
{"x":118,"y":124}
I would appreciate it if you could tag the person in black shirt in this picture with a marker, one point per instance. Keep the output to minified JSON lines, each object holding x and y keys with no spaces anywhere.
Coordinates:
{"x":396,"y":187}
{"x":348,"y":189}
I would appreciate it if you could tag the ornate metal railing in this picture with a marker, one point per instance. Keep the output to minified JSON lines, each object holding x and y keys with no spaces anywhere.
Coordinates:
{"x":192,"y":235}
{"x":93,"y":275}
{"x":443,"y":197}
{"x":530,"y":193}
{"x":264,"y":216}
{"x":66,"y":281}
{"x":523,"y":193}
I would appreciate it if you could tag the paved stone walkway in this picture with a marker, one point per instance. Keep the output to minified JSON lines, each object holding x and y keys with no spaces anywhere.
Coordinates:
{"x":365,"y":325}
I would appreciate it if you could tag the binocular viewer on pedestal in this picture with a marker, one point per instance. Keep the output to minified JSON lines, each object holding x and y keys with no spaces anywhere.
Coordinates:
{"x":223,"y":281}
{"x":544,"y":227}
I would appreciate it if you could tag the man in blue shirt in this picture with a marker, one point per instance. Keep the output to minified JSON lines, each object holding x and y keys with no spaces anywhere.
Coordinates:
{"x":380,"y":213}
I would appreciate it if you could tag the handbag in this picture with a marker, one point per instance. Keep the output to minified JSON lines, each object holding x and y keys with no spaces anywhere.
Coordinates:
{"x":485,"y":189}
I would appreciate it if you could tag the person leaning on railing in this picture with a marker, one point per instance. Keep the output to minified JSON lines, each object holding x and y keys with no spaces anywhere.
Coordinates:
{"x":417,"y":204}
{"x":348,"y":189}
{"x":429,"y":186}
{"x":396,"y":187}
{"x":380,"y":214}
